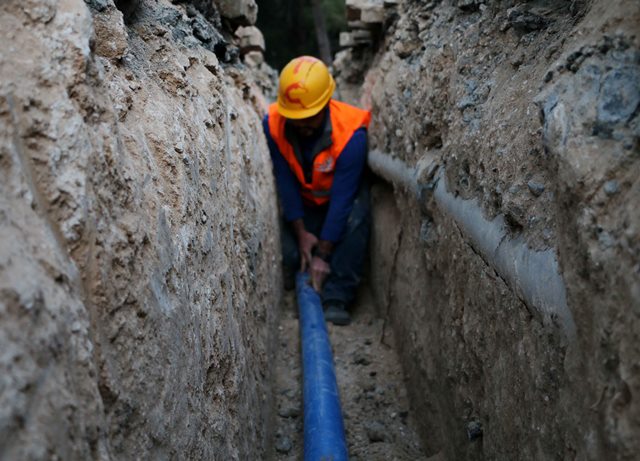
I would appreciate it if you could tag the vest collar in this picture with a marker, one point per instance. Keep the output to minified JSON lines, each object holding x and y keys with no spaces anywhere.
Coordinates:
{"x":323,"y":142}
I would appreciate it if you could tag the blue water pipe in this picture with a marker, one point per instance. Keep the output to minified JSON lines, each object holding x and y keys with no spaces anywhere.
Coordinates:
{"x":323,"y":426}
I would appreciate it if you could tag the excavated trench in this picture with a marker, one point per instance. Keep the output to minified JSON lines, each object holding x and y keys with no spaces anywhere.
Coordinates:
{"x":141,"y":308}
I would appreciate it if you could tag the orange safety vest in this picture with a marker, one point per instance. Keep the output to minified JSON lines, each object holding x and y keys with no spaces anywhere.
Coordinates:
{"x":345,"y":120}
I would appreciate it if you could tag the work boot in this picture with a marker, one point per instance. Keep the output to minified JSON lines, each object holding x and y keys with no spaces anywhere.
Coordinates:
{"x":336,"y":313}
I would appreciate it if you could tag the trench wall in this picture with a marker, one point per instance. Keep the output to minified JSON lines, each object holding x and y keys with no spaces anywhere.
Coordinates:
{"x":137,"y":235}
{"x":528,"y":113}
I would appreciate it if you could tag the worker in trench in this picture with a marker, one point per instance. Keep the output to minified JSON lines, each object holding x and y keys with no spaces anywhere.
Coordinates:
{"x":319,"y":148}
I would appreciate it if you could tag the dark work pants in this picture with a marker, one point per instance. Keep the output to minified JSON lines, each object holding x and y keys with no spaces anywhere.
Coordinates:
{"x":347,"y":258}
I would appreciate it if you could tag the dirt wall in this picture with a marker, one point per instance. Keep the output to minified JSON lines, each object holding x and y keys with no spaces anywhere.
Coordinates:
{"x":137,"y":235}
{"x":527,"y":112}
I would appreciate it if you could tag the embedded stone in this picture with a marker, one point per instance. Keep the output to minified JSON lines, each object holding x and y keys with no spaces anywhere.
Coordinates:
{"x":611,"y":187}
{"x":243,"y":12}
{"x":535,"y":188}
{"x":250,"y":38}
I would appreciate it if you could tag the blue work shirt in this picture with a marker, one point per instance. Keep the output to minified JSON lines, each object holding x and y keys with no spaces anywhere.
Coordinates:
{"x":346,"y":180}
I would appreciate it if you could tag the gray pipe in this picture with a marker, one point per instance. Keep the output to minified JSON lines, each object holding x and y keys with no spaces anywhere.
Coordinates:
{"x":534,"y":276}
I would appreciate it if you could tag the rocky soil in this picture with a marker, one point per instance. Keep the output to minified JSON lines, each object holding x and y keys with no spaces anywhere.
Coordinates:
{"x":528,"y":111}
{"x":378,"y":422}
{"x":137,"y":224}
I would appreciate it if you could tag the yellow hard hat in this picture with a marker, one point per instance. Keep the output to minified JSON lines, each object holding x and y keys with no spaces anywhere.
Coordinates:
{"x":305,"y":88}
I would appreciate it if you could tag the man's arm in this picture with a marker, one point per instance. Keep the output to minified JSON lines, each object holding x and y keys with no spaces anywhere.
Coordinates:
{"x":346,"y":181}
{"x":290,"y":199}
{"x":286,"y":182}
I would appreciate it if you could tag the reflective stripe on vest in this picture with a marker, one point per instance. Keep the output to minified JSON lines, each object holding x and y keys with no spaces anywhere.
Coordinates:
{"x":345,"y":120}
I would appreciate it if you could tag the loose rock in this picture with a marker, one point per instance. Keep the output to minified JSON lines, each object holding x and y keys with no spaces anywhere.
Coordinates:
{"x":289,"y":411}
{"x":284,"y":445}
{"x":376,"y":431}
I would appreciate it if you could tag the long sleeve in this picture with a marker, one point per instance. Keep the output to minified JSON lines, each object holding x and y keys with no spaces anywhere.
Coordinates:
{"x":286,"y":182}
{"x":346,"y":180}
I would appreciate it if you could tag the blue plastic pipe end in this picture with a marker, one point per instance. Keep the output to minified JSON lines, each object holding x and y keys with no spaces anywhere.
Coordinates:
{"x":324,"y":438}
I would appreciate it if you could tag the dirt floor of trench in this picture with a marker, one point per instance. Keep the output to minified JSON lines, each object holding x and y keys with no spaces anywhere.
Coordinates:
{"x":378,"y":422}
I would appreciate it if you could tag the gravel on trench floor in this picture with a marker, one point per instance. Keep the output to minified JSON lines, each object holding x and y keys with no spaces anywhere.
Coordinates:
{"x":373,"y":396}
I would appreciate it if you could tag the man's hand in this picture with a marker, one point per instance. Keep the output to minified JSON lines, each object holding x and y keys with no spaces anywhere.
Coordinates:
{"x":318,"y":265}
{"x":318,"y":271}
{"x":306,"y":242}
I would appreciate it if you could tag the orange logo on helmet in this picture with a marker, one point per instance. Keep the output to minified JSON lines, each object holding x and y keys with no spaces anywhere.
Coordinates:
{"x":300,"y":85}
{"x":295,"y":86}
